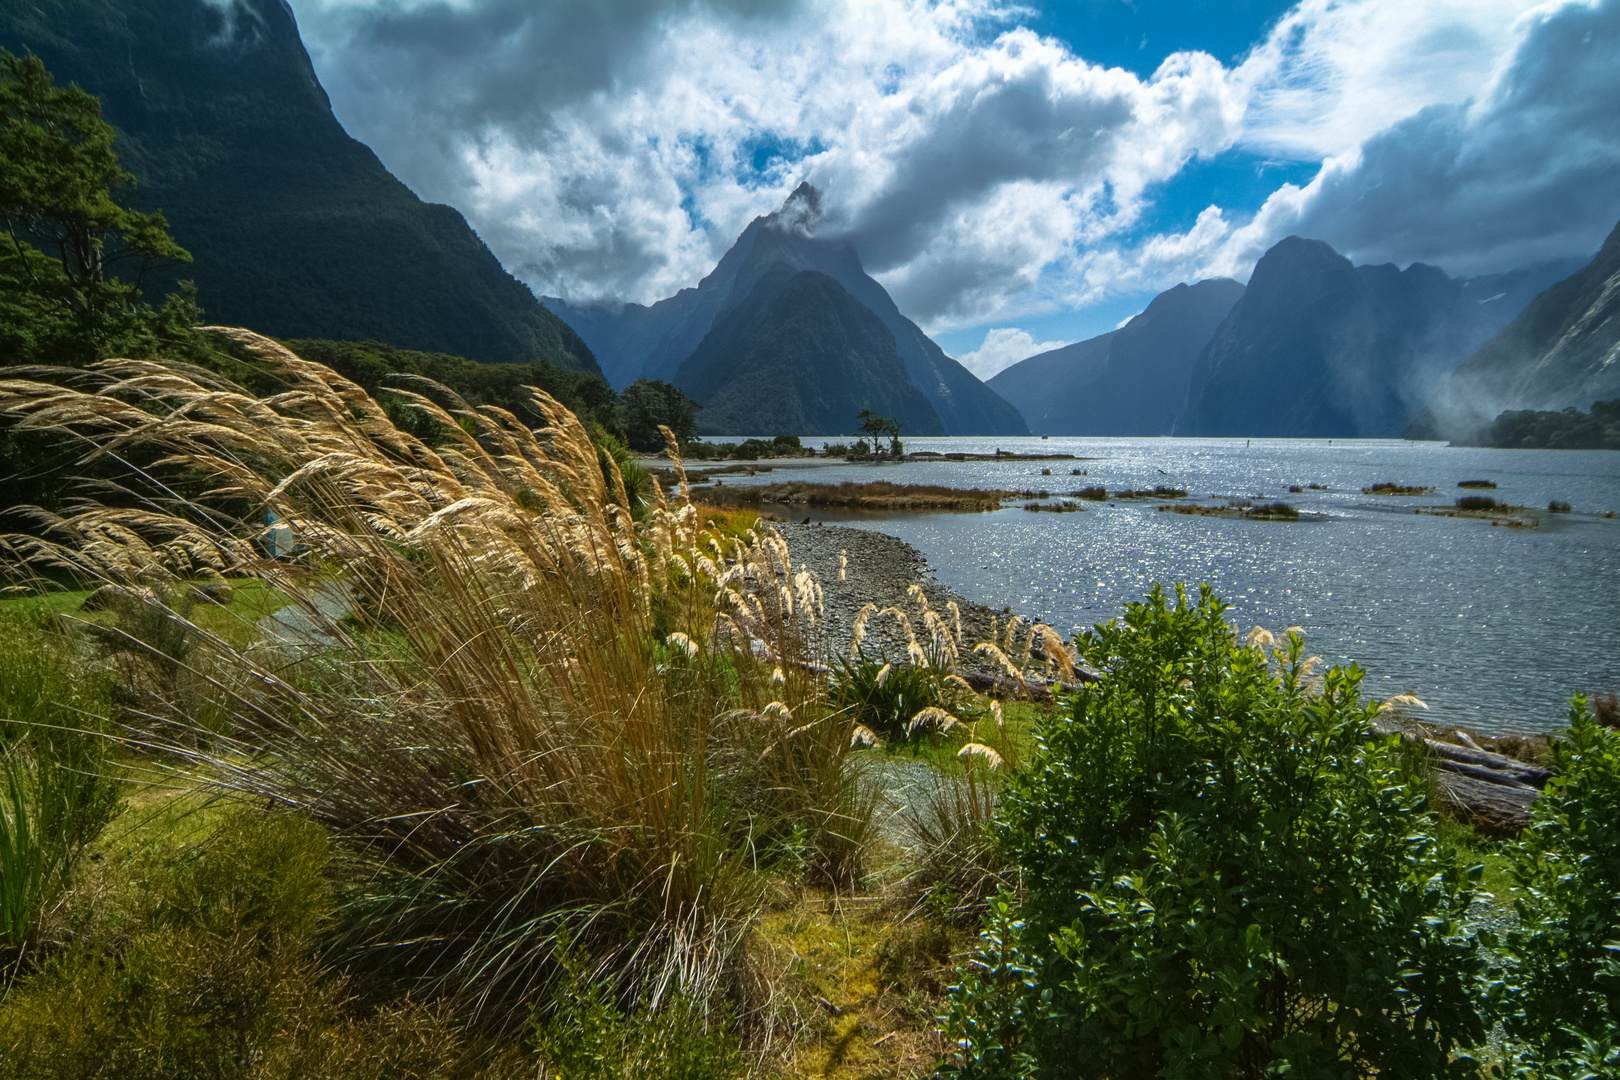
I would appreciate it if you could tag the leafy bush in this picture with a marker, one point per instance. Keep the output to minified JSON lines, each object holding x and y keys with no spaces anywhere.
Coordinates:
{"x":1563,"y":974}
{"x":1228,"y":876}
{"x":1476,"y":502}
{"x":884,"y":696}
{"x":211,"y":973}
{"x":590,"y":1037}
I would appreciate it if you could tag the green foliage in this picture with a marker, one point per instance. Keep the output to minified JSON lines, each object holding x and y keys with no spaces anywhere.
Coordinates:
{"x":879,"y":426}
{"x":1563,"y":962}
{"x":43,"y":678}
{"x":589,"y":1037}
{"x":1570,"y":429}
{"x":375,"y":366}
{"x":884,"y":696}
{"x":647,"y":403}
{"x":56,"y":794}
{"x":637,"y":480}
{"x":1228,"y":876}
{"x":207,"y":978}
{"x":55,"y":797}
{"x":747,"y":450}
{"x":61,"y":295}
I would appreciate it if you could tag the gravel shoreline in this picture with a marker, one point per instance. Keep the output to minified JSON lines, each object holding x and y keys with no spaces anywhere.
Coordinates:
{"x":881,"y":568}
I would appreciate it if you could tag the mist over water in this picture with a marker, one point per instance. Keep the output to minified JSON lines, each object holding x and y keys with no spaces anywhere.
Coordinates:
{"x":1492,"y":627}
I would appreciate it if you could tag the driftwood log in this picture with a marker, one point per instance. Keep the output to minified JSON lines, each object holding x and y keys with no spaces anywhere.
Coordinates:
{"x":1492,"y":791}
{"x":1493,"y":809}
{"x":1000,"y":685}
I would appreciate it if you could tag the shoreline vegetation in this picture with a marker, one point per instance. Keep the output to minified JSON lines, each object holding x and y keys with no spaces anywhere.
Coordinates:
{"x":1570,"y":429}
{"x":1243,"y":508}
{"x":868,"y":495}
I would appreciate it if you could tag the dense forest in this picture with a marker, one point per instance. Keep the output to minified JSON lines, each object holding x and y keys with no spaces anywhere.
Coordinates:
{"x":1569,"y":429}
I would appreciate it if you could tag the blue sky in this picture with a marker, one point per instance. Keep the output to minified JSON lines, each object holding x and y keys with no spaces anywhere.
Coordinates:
{"x":1018,"y":177}
{"x":1139,"y":36}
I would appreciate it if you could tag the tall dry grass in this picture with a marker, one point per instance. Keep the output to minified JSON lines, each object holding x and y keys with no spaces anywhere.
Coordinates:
{"x":530,"y":722}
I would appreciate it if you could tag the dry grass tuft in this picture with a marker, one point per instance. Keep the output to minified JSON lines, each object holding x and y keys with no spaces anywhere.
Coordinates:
{"x":527,"y":719}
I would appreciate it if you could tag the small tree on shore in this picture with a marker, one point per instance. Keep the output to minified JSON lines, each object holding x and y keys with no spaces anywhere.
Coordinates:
{"x":878,"y":427}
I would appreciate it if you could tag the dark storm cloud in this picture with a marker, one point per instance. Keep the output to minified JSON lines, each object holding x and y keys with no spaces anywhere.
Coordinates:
{"x":1530,"y":172}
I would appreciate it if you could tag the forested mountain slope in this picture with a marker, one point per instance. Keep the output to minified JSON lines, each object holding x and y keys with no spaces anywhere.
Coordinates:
{"x":296,"y":229}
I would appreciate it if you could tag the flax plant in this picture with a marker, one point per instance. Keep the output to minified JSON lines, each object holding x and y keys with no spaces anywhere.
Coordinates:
{"x":530,"y":722}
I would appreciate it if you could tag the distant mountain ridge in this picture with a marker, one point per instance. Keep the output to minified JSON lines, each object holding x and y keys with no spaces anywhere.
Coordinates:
{"x":1320,"y":347}
{"x":1312,"y":346}
{"x":800,"y":354}
{"x":656,"y":340}
{"x":1130,"y":381}
{"x":297,"y":230}
{"x":1562,"y":350}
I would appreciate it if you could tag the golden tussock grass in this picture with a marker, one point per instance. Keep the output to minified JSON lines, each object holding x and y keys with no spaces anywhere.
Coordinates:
{"x":484,"y":705}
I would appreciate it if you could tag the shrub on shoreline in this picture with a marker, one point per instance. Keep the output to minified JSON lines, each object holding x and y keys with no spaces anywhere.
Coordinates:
{"x":1225,"y":878}
{"x":1562,"y":984}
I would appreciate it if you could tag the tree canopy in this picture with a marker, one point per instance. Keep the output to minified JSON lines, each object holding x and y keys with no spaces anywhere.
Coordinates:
{"x":72,"y":258}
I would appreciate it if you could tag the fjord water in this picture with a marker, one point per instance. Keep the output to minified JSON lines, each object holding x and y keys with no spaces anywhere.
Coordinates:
{"x":1492,"y":627}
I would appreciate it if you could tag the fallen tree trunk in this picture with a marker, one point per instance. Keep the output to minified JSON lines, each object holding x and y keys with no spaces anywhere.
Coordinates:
{"x":1509,"y":767}
{"x":1493,"y":808}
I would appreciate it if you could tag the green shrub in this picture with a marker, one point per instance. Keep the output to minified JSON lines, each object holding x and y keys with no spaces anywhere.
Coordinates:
{"x":590,"y":1037}
{"x":1227,"y":875}
{"x":883,"y":696}
{"x":211,"y":977}
{"x":1562,"y":968}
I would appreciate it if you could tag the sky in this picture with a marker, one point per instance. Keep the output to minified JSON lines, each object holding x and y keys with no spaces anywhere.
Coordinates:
{"x":1019,"y":176}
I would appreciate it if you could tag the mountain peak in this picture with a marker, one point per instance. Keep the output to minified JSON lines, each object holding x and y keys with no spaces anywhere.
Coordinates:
{"x":802,"y":211}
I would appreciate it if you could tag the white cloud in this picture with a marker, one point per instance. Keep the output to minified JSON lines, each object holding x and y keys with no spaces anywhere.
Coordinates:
{"x":1333,"y":73}
{"x":1525,"y":171}
{"x":1003,"y":347}
{"x":961,"y":154}
{"x":983,"y":173}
